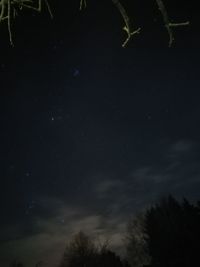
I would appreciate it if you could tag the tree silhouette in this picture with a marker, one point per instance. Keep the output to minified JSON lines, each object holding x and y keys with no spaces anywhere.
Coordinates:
{"x":136,"y":242}
{"x":79,"y":252}
{"x":173,"y":233}
{"x":82,"y":252}
{"x":16,"y":263}
{"x":167,"y":235}
{"x":108,"y":258}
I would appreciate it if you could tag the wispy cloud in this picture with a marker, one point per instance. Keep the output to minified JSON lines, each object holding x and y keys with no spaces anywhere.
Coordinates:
{"x":180,"y":148}
{"x":104,"y":188}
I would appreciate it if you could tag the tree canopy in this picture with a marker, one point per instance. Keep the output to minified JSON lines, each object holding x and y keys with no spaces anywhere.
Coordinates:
{"x":167,"y":235}
{"x":82,"y":251}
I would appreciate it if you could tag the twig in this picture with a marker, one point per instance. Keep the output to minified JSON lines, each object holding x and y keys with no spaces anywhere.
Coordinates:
{"x":83,"y":4}
{"x":9,"y":24}
{"x":8,"y":11}
{"x":169,"y":25}
{"x":49,"y":9}
{"x":127,"y":27}
{"x":2,"y":11}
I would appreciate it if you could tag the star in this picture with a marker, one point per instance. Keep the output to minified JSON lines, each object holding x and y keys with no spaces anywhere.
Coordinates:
{"x":149,"y":116}
{"x":76,"y":73}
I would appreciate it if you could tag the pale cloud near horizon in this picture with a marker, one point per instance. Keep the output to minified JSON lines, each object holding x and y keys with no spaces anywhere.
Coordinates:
{"x":52,"y":234}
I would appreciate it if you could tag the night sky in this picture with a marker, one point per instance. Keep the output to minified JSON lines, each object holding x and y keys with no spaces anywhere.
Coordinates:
{"x":92,"y":133}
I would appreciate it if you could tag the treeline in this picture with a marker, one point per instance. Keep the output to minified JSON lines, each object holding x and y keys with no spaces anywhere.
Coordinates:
{"x":165,"y":235}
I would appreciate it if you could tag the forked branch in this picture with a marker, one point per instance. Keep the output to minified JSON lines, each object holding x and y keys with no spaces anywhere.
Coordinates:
{"x":127,"y":28}
{"x":9,"y":8}
{"x":169,"y":25}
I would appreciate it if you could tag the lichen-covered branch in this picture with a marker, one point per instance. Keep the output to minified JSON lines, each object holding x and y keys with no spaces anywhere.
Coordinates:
{"x":169,"y":25}
{"x":127,"y":28}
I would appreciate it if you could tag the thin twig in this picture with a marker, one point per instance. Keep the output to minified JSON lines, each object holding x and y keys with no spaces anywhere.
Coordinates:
{"x":9,"y":24}
{"x":49,"y":9}
{"x":127,"y":27}
{"x":8,"y":11}
{"x":39,"y":8}
{"x":167,"y":22}
{"x":2,"y":11}
{"x":179,"y":24}
{"x":83,"y":4}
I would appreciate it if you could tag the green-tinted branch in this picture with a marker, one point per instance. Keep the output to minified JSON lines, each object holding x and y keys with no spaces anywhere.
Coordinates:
{"x":8,"y":10}
{"x":83,"y":4}
{"x":179,"y":24}
{"x":126,"y":19}
{"x":9,"y":26}
{"x":169,"y":25}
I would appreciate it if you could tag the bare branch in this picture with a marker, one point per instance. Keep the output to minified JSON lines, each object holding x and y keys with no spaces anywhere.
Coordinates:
{"x":127,"y":27}
{"x":49,"y":9}
{"x":179,"y":24}
{"x":169,"y":25}
{"x":9,"y":26}
{"x":2,"y":11}
{"x":83,"y":4}
{"x":8,"y":10}
{"x":39,"y":8}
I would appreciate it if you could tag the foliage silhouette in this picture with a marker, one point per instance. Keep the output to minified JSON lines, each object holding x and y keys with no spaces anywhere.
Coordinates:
{"x":167,"y":235}
{"x":82,"y":252}
{"x":173,"y":233}
{"x":16,"y":263}
{"x":136,"y":242}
